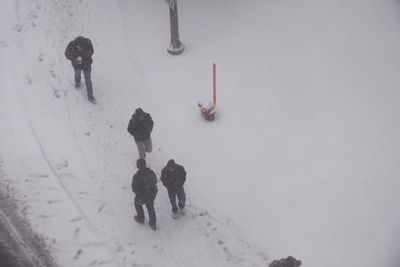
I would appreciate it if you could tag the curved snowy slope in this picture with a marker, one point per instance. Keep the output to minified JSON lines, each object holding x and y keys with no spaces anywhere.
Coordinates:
{"x":303,"y":159}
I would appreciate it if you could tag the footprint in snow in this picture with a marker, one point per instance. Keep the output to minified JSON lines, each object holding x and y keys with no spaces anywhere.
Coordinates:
{"x":56,"y":92}
{"x":54,"y":201}
{"x":28,"y":79}
{"x":48,"y":216}
{"x":18,"y":28}
{"x":76,"y":219}
{"x":78,"y":254}
{"x":38,"y":175}
{"x":76,"y":233}
{"x":62,"y":164}
{"x":52,"y":74}
{"x":101,"y":208}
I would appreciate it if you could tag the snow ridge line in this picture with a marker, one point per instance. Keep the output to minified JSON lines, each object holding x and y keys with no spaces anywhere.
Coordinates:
{"x":28,"y":253}
{"x":28,"y":242}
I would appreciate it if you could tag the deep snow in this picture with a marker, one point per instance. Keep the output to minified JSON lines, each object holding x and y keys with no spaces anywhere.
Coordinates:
{"x":302,"y":160}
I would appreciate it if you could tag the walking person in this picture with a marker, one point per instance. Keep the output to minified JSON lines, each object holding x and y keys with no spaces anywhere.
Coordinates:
{"x":79,"y":52}
{"x":144,"y":185}
{"x":140,"y":127}
{"x":173,"y":177}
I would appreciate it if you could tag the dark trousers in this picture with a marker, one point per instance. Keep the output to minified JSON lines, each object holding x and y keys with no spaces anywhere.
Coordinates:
{"x":174,"y":193}
{"x":150,"y":210}
{"x":87,"y":74}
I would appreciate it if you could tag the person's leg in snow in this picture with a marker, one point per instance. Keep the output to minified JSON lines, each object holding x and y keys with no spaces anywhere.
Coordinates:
{"x":88,"y":80}
{"x":172,"y":198}
{"x":141,"y":146}
{"x":152,"y":215}
{"x":180,"y":193}
{"x":77,"y":77}
{"x":148,"y":145}
{"x":139,"y":217}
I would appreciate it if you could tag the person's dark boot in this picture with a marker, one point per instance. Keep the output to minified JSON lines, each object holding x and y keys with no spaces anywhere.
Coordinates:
{"x":153,"y":225}
{"x":182,"y":211}
{"x":175,"y":212}
{"x":92,"y":99}
{"x":138,"y":219}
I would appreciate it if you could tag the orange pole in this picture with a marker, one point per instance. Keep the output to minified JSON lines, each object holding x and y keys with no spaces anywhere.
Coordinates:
{"x":214,"y":85}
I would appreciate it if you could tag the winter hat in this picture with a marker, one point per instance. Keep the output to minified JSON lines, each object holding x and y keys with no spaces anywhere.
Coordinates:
{"x":141,"y":164}
{"x":138,"y":111}
{"x":170,"y":163}
{"x":79,"y":38}
{"x":293,"y":262}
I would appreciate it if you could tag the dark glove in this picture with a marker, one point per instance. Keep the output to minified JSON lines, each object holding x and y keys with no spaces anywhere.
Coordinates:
{"x":139,"y":200}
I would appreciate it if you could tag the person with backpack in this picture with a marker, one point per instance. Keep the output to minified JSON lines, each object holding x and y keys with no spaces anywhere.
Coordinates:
{"x":173,"y":177}
{"x":144,"y":186}
{"x":79,"y":52}
{"x":140,"y":127}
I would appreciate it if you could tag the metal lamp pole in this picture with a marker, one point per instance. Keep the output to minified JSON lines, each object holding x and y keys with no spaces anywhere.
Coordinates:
{"x":175,"y":47}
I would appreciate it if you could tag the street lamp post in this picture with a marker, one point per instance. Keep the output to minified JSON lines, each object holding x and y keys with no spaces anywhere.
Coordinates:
{"x":175,"y":47}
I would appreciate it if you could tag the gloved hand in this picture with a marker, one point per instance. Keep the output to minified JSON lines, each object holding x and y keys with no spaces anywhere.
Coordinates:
{"x":139,"y":200}
{"x":78,"y":60}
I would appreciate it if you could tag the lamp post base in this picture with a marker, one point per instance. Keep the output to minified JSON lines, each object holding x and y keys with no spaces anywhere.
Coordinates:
{"x":175,"y":50}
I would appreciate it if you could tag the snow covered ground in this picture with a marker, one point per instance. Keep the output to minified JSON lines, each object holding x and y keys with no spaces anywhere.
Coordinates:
{"x":303,"y":159}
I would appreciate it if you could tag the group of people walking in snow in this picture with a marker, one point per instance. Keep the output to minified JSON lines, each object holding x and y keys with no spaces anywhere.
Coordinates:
{"x":144,"y":182}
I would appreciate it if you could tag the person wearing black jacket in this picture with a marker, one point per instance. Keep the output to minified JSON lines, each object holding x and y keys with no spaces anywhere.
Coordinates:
{"x":79,"y":52}
{"x":144,"y":185}
{"x":173,"y":177}
{"x":288,"y":262}
{"x":140,"y":127}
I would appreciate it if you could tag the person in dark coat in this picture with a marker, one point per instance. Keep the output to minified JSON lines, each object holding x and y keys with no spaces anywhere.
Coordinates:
{"x":288,"y":262}
{"x":140,"y":127}
{"x":79,"y":52}
{"x":173,"y":177}
{"x":144,"y":185}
